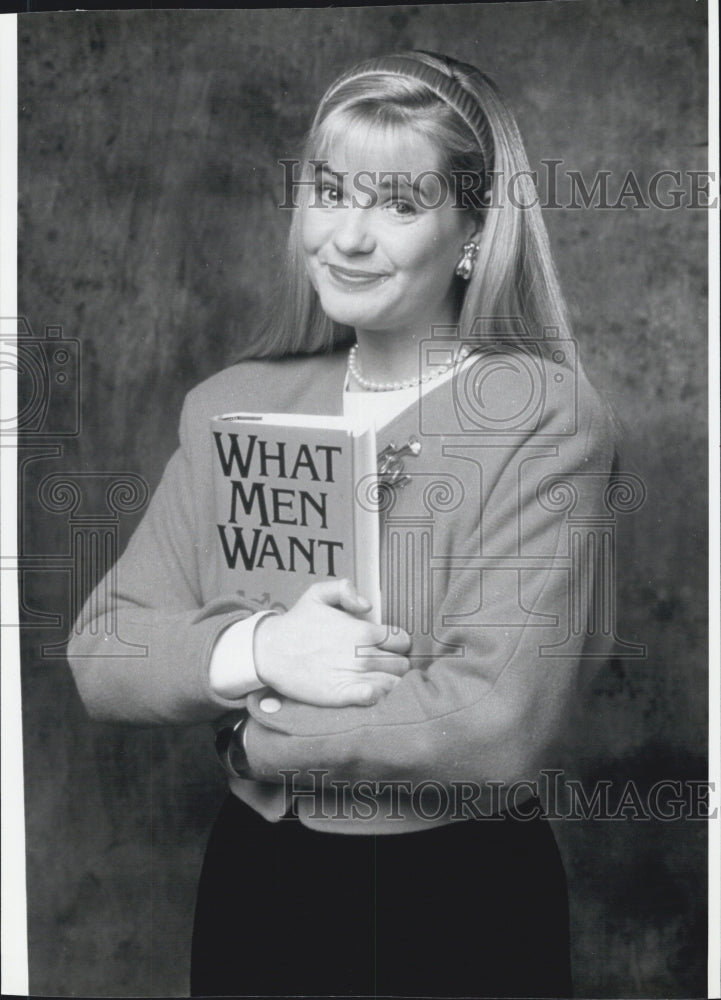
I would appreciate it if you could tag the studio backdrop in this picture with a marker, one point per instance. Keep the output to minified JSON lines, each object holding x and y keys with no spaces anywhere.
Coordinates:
{"x":150,"y":237}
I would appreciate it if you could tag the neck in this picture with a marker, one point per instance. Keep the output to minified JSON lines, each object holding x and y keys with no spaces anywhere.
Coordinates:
{"x":389,"y":357}
{"x":360,"y":381}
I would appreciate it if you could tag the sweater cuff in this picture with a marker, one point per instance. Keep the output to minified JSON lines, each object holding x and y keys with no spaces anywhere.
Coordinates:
{"x":232,"y":671}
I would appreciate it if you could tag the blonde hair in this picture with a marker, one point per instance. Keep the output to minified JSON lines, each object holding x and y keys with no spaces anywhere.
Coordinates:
{"x":514,"y":289}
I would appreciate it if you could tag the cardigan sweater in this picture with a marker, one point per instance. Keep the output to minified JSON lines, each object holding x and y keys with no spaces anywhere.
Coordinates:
{"x":482,"y":563}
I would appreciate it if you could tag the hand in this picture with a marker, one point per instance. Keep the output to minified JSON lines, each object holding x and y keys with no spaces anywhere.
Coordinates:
{"x":311,"y":652}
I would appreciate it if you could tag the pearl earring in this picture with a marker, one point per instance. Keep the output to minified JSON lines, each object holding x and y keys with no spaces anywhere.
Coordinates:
{"x":465,"y":264}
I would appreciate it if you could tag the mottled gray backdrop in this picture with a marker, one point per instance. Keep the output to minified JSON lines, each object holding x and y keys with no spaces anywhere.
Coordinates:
{"x":148,"y":232}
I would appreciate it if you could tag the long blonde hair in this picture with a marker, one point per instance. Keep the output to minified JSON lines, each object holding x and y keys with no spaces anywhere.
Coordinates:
{"x":514,"y":289}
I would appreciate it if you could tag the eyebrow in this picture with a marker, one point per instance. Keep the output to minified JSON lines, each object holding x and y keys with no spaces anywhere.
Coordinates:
{"x":398,"y":180}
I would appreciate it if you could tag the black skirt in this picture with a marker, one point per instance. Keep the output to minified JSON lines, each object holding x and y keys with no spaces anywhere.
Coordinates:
{"x":477,"y":908}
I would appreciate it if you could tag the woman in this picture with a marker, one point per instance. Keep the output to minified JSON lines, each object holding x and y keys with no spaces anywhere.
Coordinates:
{"x":411,"y":858}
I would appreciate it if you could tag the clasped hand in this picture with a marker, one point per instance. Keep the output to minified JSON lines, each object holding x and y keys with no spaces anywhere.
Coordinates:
{"x":322,"y":653}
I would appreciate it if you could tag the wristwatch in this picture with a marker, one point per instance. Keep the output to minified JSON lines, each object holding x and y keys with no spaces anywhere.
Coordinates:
{"x":230,"y":747}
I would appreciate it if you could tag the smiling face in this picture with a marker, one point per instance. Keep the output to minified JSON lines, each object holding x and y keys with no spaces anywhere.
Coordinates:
{"x":379,"y":259}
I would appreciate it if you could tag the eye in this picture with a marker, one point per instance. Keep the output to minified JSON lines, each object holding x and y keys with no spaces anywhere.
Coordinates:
{"x":402,"y":207}
{"x":328,"y":194}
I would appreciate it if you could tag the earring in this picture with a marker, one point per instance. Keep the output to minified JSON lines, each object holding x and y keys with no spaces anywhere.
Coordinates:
{"x":465,"y":264}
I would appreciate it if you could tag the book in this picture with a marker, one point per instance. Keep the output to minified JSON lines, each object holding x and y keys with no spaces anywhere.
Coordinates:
{"x":294,"y":505}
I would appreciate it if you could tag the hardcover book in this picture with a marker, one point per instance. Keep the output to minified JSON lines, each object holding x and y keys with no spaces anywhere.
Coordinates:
{"x":294,"y":505}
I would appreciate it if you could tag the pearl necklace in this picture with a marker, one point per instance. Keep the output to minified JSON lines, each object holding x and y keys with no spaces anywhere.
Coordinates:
{"x":366,"y":383}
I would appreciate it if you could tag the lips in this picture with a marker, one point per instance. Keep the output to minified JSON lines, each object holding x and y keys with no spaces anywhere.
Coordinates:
{"x":354,"y":277}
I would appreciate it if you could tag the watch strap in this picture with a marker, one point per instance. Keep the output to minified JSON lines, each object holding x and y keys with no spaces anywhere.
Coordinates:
{"x":231,"y":750}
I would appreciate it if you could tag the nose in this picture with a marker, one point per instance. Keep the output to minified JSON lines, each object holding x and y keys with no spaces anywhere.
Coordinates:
{"x":352,"y":232}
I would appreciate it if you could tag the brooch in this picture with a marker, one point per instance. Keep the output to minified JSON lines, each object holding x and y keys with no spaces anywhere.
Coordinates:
{"x":390,"y":462}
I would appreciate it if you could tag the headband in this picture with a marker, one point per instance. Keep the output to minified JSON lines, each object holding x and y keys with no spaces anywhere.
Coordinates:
{"x":447,"y":88}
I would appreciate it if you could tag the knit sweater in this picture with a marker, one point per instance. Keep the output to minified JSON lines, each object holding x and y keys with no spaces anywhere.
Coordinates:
{"x":480,"y":564}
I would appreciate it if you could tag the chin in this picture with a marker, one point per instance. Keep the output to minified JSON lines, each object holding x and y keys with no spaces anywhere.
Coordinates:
{"x":346,"y":319}
{"x":346,"y":314}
